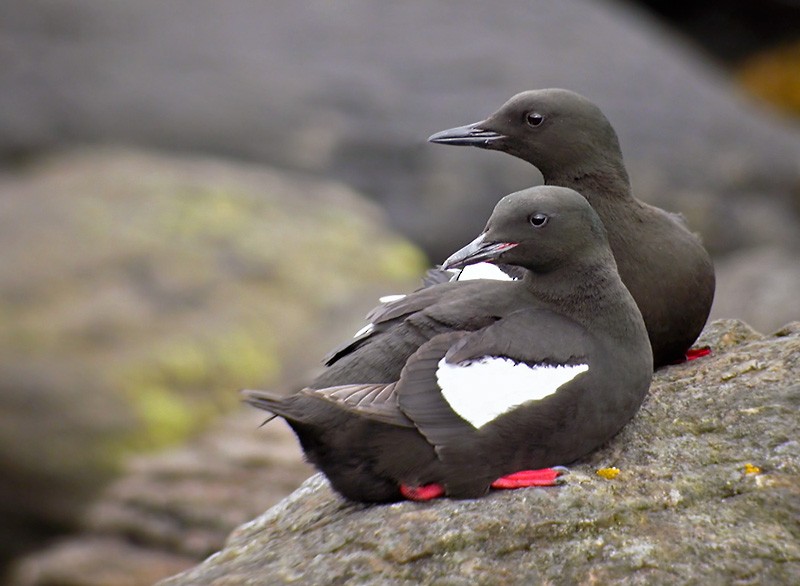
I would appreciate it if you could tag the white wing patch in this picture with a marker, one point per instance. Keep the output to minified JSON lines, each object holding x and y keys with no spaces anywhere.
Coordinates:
{"x":390,"y":298}
{"x":482,"y":270}
{"x":481,"y":390}
{"x":367,"y":329}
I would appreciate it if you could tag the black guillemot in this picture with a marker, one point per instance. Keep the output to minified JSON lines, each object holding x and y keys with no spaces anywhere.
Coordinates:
{"x":569,"y":139}
{"x":468,"y":385}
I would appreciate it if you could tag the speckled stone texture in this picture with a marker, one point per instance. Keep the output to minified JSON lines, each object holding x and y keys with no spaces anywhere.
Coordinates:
{"x":708,"y":493}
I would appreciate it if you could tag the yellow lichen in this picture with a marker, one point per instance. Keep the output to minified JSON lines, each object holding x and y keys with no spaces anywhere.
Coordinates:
{"x":751,"y":469}
{"x":182,"y":364}
{"x":192,"y":212}
{"x":608,"y":473}
{"x":180,"y":386}
{"x":168,"y":418}
{"x":400,"y":260}
{"x":244,"y":359}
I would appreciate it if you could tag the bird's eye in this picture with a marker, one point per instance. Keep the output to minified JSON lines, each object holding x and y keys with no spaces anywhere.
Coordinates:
{"x":534,"y":119}
{"x":538,"y":220}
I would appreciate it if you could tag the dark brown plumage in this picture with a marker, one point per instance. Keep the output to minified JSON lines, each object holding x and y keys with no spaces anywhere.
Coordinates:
{"x":400,"y":404}
{"x":662,"y":263}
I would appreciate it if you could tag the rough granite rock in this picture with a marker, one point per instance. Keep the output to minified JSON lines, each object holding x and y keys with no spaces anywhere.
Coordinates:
{"x":352,"y":91}
{"x":708,"y":493}
{"x":140,"y":291}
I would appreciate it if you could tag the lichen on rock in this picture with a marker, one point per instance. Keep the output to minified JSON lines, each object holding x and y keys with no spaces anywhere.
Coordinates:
{"x":140,"y":291}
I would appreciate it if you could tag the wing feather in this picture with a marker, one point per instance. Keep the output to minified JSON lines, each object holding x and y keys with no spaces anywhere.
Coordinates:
{"x":372,"y":401}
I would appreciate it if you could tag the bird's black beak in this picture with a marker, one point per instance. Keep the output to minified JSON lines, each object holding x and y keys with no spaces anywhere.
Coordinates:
{"x":477,"y":251}
{"x":472,"y":135}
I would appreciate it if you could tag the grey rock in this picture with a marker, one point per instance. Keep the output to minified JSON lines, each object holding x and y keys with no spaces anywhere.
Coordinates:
{"x":759,"y":286}
{"x":707,"y":494}
{"x":168,"y":511}
{"x":351,"y":91}
{"x":139,"y":292}
{"x":99,"y":562}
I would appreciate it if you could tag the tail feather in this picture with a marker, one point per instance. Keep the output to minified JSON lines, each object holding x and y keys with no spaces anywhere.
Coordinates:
{"x":267,"y":401}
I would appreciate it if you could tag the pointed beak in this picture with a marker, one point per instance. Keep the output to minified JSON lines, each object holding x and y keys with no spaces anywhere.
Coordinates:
{"x":471,"y":135}
{"x":477,"y":251}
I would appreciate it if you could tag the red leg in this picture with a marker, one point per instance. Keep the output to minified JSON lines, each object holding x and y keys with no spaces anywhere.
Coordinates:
{"x":426,"y":492}
{"x":695,"y":353}
{"x":523,"y":478}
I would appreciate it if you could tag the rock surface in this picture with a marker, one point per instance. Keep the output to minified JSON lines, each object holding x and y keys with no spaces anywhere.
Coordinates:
{"x":352,"y":92}
{"x":170,"y":510}
{"x":759,"y":286}
{"x":138,"y":292}
{"x":708,"y":493}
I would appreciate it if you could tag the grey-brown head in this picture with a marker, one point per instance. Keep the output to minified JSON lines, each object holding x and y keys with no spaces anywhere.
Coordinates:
{"x":558,"y":131}
{"x":540,"y":229}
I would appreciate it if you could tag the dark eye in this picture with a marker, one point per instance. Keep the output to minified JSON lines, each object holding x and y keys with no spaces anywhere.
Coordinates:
{"x":538,"y":220}
{"x":534,"y":119}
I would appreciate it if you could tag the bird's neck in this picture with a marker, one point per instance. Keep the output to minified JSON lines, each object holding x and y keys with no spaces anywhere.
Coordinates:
{"x":598,"y":184}
{"x":587,"y":299}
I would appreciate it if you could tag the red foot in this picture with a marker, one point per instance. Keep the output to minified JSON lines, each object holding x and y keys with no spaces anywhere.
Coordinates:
{"x":426,"y":492}
{"x":695,"y":353}
{"x":523,"y":478}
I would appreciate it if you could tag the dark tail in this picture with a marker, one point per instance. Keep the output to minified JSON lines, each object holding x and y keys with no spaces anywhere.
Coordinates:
{"x":266,"y":401}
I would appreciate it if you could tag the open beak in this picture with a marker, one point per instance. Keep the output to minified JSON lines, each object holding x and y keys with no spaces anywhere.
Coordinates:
{"x":477,"y":251}
{"x":471,"y":135}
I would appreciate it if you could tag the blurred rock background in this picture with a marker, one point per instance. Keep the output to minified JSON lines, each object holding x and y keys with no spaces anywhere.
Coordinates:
{"x":198,"y":196}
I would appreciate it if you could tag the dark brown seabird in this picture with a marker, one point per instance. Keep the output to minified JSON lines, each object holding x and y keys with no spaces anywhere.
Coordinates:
{"x":663,"y":264}
{"x":468,"y":385}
